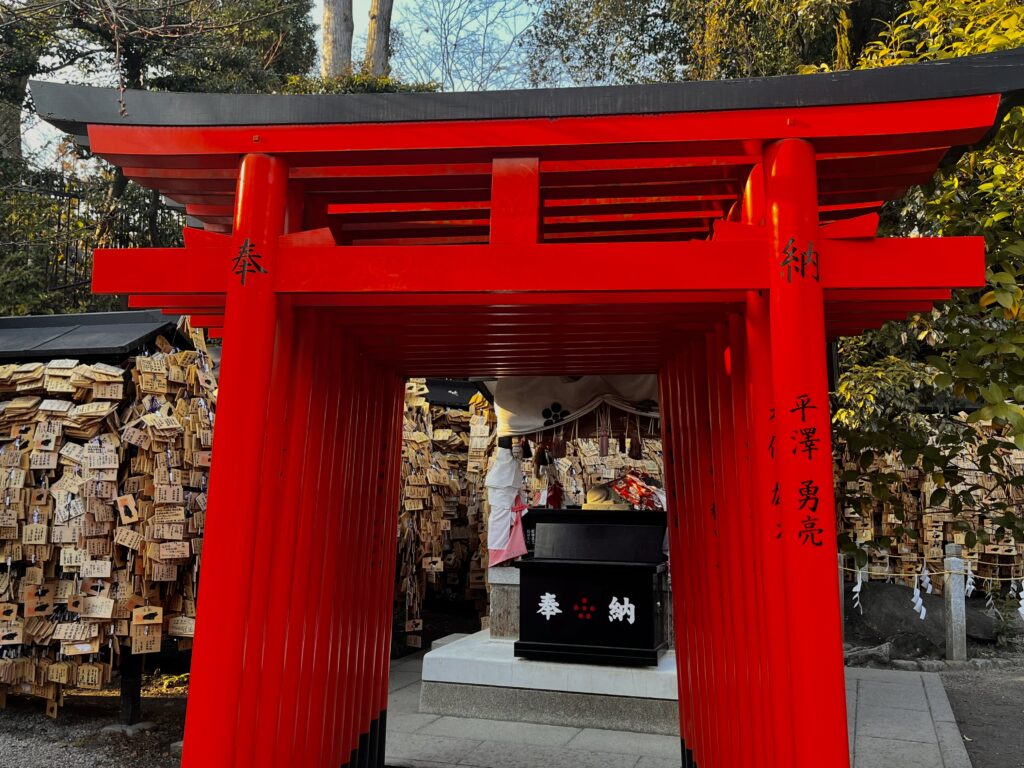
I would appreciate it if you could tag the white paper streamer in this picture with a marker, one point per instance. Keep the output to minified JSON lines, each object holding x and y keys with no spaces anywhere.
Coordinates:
{"x":990,"y":599}
{"x":969,"y":583}
{"x":856,"y":591}
{"x":917,"y":601}
{"x":926,"y":580}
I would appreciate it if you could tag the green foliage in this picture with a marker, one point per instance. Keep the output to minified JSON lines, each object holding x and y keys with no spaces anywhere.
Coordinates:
{"x":190,"y":45}
{"x":252,"y":46}
{"x":357,"y":82}
{"x":901,"y":388}
{"x":631,"y":41}
{"x":607,"y":41}
{"x":50,"y":222}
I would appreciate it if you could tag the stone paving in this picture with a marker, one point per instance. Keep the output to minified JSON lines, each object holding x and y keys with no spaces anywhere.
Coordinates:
{"x":901,"y":719}
{"x":897,"y":720}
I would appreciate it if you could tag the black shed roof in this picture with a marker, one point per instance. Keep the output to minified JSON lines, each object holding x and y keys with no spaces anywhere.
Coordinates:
{"x":91,"y":335}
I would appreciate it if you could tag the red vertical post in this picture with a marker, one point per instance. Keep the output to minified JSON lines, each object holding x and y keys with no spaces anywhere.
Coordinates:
{"x":380,"y":588}
{"x":342,"y":525}
{"x":677,"y":510}
{"x":734,"y":643}
{"x":515,"y":200}
{"x":320,"y":732}
{"x":803,"y":458}
{"x":213,"y":727}
{"x":683,"y":553}
{"x":279,"y":588}
{"x":745,"y":572}
{"x":693,"y":624}
{"x":691,"y":533}
{"x":380,"y":518}
{"x":699,"y":530}
{"x":392,"y":405}
{"x":309,"y":731}
{"x":722,"y":749}
{"x":766,"y":530}
{"x":301,"y":510}
{"x":753,"y":564}
{"x":264,"y":634}
{"x":361,"y":537}
{"x":365,"y":510}
{"x":346,"y":571}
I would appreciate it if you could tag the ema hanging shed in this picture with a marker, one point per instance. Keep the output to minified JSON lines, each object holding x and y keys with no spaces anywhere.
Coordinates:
{"x":715,"y":233}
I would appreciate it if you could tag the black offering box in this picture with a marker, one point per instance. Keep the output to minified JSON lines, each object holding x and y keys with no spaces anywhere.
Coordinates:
{"x":594,"y":587}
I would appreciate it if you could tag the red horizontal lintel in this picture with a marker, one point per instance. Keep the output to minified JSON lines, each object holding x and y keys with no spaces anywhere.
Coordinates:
{"x":581,"y":268}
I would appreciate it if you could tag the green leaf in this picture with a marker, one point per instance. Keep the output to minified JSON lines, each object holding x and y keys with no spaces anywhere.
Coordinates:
{"x":992,"y":393}
{"x":1005,"y":298}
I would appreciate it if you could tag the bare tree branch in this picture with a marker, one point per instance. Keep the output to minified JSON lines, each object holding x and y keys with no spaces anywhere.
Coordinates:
{"x":464,"y":44}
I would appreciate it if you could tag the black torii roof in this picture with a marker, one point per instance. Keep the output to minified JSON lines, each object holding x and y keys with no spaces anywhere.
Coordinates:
{"x":72,"y":107}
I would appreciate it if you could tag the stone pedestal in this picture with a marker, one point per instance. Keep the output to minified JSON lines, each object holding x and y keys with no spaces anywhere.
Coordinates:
{"x":504,"y":581}
{"x":478,"y":676}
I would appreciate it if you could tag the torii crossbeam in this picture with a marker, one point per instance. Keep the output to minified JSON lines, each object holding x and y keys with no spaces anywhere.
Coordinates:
{"x":715,"y":233}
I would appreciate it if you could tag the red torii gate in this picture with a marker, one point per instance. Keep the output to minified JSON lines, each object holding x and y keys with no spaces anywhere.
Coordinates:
{"x":717,"y":233}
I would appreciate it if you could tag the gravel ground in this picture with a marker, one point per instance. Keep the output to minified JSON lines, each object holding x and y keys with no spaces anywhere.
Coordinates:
{"x":989,"y":705}
{"x":29,"y":739}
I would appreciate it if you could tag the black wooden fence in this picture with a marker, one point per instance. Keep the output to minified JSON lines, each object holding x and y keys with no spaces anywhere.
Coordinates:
{"x":52,"y":222}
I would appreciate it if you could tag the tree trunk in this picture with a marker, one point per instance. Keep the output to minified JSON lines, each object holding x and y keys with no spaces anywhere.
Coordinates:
{"x":378,"y":39}
{"x":10,"y":122}
{"x":337,"y":57}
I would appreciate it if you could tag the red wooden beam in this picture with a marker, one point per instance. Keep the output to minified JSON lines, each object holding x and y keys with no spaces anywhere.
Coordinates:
{"x":618,"y":217}
{"x":939,"y":263}
{"x":694,"y":265}
{"x":188,"y":301}
{"x":160,"y":270}
{"x":387,"y":221}
{"x":436,"y":240}
{"x":563,"y":198}
{"x":727,"y":154}
{"x":338,"y":209}
{"x":911,"y":262}
{"x":653,"y":235}
{"x":575,"y":300}
{"x":838,"y":295}
{"x":429,"y":232}
{"x":207,"y":321}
